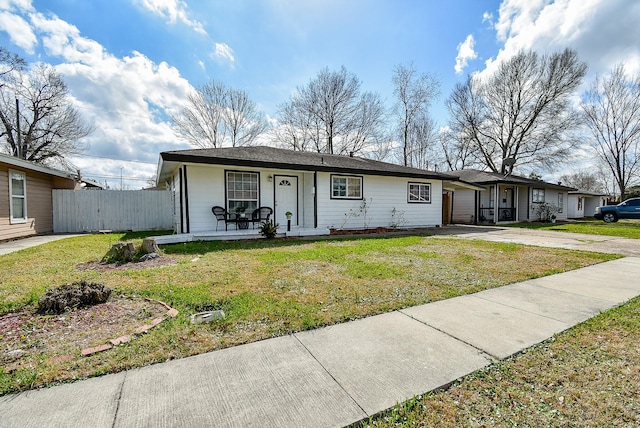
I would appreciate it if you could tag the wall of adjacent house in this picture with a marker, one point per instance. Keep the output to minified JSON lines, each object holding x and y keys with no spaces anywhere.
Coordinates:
{"x":573,"y":211}
{"x":39,"y":205}
{"x":591,"y":203}
{"x":464,"y":201}
{"x":382,"y":195}
{"x":523,"y":203}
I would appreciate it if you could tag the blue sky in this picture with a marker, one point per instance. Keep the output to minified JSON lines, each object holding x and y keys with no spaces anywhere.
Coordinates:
{"x":130,"y":63}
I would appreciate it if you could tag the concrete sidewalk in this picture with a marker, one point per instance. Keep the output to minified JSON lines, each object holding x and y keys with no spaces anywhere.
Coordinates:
{"x":337,"y":375}
{"x":32,"y":241}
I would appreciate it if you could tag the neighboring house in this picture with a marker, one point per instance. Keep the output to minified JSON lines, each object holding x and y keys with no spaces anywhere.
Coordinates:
{"x":583,"y":204}
{"x":25,"y":191}
{"x":504,"y":199}
{"x":321,"y":191}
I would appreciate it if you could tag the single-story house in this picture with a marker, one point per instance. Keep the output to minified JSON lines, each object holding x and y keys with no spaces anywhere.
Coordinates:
{"x":504,"y":199}
{"x":321,"y":191}
{"x":583,"y":204}
{"x":25,"y":191}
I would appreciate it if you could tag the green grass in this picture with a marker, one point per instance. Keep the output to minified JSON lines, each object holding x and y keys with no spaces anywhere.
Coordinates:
{"x":586,"y":376}
{"x":623,"y":228}
{"x":266,"y":288}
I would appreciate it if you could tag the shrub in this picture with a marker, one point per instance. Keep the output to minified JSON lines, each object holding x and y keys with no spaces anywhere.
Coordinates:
{"x":268,"y":229}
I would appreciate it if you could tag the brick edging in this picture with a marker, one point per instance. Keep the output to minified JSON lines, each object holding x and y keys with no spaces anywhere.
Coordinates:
{"x":171,"y":313}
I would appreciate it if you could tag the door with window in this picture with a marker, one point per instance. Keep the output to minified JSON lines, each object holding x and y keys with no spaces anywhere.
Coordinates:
{"x":286,"y":199}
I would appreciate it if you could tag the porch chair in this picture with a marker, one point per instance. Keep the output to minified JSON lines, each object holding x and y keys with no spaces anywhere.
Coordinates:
{"x":260,"y":215}
{"x":221,"y":215}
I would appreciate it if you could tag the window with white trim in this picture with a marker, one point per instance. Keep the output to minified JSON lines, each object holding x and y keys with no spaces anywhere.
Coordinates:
{"x":242,"y":191}
{"x":346,"y":187}
{"x":18,"y":196}
{"x":419,"y":193}
{"x":537,"y":196}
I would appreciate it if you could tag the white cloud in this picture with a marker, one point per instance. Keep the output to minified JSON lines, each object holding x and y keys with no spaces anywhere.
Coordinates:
{"x":18,"y":30}
{"x":465,"y":53}
{"x":128,"y":99}
{"x":223,"y":52}
{"x":603,"y":32}
{"x":488,"y":17}
{"x":173,"y":11}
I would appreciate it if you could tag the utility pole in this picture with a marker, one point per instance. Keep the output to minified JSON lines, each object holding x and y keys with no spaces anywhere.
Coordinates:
{"x":19,"y":150}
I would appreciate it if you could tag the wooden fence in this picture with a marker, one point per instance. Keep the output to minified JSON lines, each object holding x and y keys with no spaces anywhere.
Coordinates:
{"x":77,"y":211}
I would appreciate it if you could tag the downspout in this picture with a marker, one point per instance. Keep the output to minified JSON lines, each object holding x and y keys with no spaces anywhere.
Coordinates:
{"x":186,"y":199}
{"x":477,"y":207}
{"x":315,"y":199}
{"x":181,"y":190}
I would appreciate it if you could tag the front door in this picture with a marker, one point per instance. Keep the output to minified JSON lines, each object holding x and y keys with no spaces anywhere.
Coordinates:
{"x":286,"y":199}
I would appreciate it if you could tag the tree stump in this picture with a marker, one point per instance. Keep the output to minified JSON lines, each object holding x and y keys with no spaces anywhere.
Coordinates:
{"x":120,"y":252}
{"x":149,"y":245}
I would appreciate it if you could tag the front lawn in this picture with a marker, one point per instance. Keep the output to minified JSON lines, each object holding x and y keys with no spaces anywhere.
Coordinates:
{"x":587,"y":376}
{"x":265,"y":288}
{"x":623,"y":228}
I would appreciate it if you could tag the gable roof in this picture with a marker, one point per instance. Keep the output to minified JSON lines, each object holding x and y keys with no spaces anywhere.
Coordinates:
{"x":487,"y":177}
{"x":20,"y":163}
{"x":271,"y":157}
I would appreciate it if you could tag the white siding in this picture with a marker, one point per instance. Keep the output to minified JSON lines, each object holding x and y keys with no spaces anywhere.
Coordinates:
{"x":523,"y":203}
{"x":382,"y":195}
{"x":573,"y":210}
{"x":591,"y":203}
{"x":206,"y":189}
{"x":464,"y":206}
{"x":306,"y":203}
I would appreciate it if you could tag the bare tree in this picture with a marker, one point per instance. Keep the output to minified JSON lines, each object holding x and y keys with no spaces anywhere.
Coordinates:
{"x":216,"y":115}
{"x":420,"y":147}
{"x":521,"y":113}
{"x":457,"y":151}
{"x":10,"y":63}
{"x":414,"y":94}
{"x":584,"y":180}
{"x":39,"y":123}
{"x":297,"y":129}
{"x":612,"y":112}
{"x":242,"y":119}
{"x":330,"y":115}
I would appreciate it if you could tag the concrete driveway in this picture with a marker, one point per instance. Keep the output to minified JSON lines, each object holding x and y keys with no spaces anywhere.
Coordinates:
{"x":545,"y":238}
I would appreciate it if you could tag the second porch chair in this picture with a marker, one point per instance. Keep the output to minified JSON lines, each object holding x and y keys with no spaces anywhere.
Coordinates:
{"x":260,"y":215}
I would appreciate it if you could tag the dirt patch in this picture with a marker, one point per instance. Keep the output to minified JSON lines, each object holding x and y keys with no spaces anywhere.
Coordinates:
{"x":29,"y":336}
{"x":147,"y":264}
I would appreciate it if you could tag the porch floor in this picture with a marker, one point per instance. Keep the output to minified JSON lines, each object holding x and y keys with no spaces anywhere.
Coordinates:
{"x":235,"y":235}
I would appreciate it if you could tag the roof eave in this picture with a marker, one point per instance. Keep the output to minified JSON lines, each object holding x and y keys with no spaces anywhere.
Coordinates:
{"x":212,"y":160}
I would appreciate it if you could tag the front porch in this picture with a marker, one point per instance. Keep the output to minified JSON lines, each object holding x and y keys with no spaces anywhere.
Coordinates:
{"x":236,"y":235}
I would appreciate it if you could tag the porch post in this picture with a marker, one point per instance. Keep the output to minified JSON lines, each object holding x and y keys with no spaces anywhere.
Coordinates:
{"x":496,"y":198}
{"x":516,"y":203}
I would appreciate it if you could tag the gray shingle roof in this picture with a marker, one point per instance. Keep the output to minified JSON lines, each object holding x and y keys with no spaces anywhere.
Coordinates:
{"x":487,"y":177}
{"x":271,"y":157}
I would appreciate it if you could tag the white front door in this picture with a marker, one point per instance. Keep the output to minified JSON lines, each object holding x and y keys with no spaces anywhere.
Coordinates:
{"x":286,"y":199}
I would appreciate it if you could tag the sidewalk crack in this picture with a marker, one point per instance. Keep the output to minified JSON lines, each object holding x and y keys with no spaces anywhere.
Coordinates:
{"x":115,"y":414}
{"x":330,"y":375}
